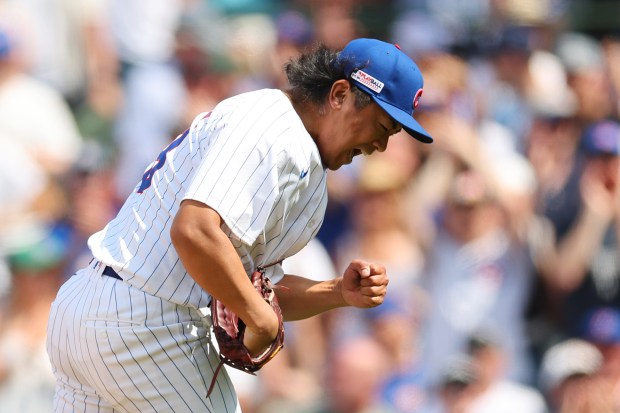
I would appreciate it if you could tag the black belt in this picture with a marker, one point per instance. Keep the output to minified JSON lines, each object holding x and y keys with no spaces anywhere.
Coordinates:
{"x":109,"y":271}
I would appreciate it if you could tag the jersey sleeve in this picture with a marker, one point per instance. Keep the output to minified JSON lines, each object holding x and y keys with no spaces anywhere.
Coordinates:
{"x":238,"y":173}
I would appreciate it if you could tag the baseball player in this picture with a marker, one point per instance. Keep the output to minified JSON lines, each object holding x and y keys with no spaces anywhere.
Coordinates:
{"x":244,"y":186}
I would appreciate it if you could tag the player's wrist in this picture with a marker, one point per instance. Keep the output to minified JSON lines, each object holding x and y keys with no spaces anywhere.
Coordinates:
{"x":263,"y":321}
{"x":338,"y":293}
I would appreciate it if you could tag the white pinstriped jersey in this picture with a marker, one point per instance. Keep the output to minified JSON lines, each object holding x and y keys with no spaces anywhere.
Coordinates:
{"x":251,"y":160}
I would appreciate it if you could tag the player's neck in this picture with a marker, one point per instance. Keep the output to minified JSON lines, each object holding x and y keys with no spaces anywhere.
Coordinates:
{"x":309,"y":114}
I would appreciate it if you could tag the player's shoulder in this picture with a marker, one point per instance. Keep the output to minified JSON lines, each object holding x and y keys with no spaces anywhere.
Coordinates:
{"x":256,"y":100}
{"x":266,"y":114}
{"x":235,"y":109}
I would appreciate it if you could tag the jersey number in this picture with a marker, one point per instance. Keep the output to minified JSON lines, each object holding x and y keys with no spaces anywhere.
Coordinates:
{"x":159,"y":163}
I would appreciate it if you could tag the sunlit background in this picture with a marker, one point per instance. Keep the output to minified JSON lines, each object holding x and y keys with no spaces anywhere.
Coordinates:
{"x":500,"y":238}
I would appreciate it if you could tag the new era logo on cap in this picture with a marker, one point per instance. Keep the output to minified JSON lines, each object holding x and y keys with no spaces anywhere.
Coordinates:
{"x":390,"y":77}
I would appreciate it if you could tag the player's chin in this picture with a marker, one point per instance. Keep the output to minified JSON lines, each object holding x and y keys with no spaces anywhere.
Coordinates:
{"x":338,"y":163}
{"x":346,"y":158}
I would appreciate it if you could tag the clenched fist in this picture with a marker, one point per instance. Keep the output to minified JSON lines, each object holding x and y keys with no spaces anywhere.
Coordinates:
{"x":364,"y":284}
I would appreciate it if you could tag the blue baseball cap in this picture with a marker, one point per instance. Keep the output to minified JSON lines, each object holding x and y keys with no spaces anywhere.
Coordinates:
{"x":602,"y":138}
{"x":390,"y":77}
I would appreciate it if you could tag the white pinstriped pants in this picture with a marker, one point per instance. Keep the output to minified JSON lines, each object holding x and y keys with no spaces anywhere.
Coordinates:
{"x":114,"y":348}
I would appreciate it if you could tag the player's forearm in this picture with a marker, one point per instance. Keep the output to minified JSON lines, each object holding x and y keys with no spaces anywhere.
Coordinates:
{"x":303,"y":298}
{"x":211,"y":260}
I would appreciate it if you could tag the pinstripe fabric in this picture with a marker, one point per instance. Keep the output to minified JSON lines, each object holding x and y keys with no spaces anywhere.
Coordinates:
{"x":115,"y":348}
{"x":252,"y":161}
{"x":140,"y":344}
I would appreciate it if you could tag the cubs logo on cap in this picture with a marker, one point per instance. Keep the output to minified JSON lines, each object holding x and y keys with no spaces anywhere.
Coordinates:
{"x":416,"y":98}
{"x":390,"y":77}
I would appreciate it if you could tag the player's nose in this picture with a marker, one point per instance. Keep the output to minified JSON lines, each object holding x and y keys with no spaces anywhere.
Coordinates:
{"x":381,"y":144}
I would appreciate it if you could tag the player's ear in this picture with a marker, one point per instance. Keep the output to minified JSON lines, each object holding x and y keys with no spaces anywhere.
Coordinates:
{"x":338,"y":93}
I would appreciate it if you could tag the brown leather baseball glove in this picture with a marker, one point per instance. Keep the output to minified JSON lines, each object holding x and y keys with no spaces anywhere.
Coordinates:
{"x":229,"y":330}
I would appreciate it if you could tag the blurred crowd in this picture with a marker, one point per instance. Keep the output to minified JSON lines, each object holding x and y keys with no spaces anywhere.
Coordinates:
{"x":501,"y":238}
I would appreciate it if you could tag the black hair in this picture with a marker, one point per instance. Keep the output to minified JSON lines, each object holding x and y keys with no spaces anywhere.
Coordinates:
{"x":312,"y":74}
